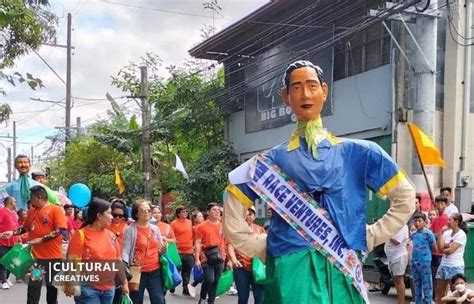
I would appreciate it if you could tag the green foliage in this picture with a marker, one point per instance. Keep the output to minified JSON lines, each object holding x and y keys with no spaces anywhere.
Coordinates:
{"x":208,"y":176}
{"x":90,"y":162}
{"x":5,"y":112}
{"x":24,"y":26}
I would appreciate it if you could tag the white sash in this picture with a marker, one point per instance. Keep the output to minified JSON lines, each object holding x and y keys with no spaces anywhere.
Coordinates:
{"x":302,"y":212}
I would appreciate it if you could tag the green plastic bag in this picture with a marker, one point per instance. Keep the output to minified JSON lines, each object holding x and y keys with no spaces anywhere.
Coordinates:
{"x":259,"y":271}
{"x":225,"y":282}
{"x":171,"y":276}
{"x":172,"y":253}
{"x":125,"y":300}
{"x":18,"y":260}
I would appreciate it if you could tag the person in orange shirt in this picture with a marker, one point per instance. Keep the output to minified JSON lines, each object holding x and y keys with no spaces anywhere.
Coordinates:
{"x":46,"y":225}
{"x":142,"y":245}
{"x":210,"y":252}
{"x":242,"y":265}
{"x":22,"y":214}
{"x":96,"y":244}
{"x":166,"y":231}
{"x":183,"y":231}
{"x":119,"y":221}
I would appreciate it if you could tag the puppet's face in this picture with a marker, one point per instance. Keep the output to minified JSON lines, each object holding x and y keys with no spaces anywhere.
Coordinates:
{"x":23,"y":165}
{"x":305,"y":94}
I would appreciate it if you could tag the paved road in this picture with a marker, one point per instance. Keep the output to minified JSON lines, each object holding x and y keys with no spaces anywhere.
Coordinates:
{"x":17,"y":294}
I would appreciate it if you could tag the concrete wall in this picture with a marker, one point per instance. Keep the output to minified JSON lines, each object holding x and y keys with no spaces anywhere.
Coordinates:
{"x":362,"y":109}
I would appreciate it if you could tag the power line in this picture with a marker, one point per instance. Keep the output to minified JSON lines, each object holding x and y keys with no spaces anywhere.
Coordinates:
{"x":157,"y":9}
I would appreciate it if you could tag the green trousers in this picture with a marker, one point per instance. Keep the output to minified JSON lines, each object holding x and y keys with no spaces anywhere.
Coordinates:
{"x":307,"y":277}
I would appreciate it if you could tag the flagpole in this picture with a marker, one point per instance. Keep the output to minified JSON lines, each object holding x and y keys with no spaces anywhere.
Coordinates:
{"x":430,"y":191}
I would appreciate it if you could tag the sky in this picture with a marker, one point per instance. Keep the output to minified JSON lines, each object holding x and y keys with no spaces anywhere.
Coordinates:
{"x":106,"y":36}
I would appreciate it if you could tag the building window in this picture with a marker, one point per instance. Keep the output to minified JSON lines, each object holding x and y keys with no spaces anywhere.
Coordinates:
{"x":361,"y":52}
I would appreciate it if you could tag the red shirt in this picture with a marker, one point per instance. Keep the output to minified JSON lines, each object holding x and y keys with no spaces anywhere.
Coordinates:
{"x":8,"y":221}
{"x":438,"y":223}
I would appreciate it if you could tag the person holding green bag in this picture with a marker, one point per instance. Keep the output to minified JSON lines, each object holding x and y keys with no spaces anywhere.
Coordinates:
{"x":46,"y":224}
{"x":141,"y":250}
{"x":242,"y":264}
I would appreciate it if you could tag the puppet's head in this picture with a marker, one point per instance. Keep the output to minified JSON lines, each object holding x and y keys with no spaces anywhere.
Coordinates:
{"x":304,"y":90}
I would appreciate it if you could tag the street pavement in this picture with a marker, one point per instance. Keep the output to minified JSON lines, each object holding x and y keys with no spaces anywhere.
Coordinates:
{"x":17,"y":294}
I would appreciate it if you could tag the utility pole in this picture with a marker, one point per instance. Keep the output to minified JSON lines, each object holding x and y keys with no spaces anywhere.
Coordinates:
{"x":32,"y":156}
{"x":146,"y":134}
{"x":68,"y":80}
{"x":9,"y":165}
{"x":78,"y":126}
{"x":14,"y":147}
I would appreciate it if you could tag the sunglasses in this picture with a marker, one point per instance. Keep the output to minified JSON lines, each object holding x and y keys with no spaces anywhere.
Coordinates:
{"x":184,"y":211}
{"x":115,"y":215}
{"x":145,"y":210}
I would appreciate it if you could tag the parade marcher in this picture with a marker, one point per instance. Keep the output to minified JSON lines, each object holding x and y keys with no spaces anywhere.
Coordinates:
{"x":69,"y":211}
{"x":40,"y":177}
{"x":210,"y":252}
{"x":183,"y":231}
{"x":94,"y":242}
{"x":142,"y":244}
{"x":119,"y":220}
{"x":450,"y":206}
{"x":22,"y":215}
{"x":397,"y":256}
{"x":424,"y":244}
{"x":197,"y":218}
{"x":77,"y":222}
{"x":451,"y":243}
{"x":336,"y":173}
{"x":46,"y":225}
{"x":242,"y":265}
{"x":8,"y":222}
{"x":117,"y":227}
{"x":166,"y":231}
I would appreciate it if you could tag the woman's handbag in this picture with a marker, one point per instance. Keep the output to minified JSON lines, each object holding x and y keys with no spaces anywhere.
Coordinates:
{"x":213,"y":255}
{"x":136,"y":272}
{"x":171,"y":276}
{"x":259,"y":271}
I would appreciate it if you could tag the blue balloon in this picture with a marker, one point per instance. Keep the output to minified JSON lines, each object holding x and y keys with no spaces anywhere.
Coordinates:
{"x":80,"y":195}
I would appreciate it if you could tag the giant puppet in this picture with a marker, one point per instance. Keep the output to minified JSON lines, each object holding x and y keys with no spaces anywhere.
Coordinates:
{"x":316,"y":185}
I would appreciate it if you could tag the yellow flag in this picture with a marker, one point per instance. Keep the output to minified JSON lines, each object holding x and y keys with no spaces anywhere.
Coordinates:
{"x":425,"y":148}
{"x":119,"y":181}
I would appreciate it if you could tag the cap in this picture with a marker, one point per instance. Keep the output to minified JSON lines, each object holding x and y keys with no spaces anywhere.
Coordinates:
{"x":253,"y":209}
{"x":38,"y":173}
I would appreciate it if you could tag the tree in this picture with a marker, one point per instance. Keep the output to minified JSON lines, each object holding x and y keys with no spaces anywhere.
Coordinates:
{"x":90,"y":162}
{"x":24,"y":25}
{"x":208,"y":176}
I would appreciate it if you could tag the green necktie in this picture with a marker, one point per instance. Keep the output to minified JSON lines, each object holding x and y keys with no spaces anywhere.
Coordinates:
{"x":24,"y":188}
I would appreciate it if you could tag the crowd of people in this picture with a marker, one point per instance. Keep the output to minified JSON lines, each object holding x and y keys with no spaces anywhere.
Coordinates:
{"x":431,"y":246}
